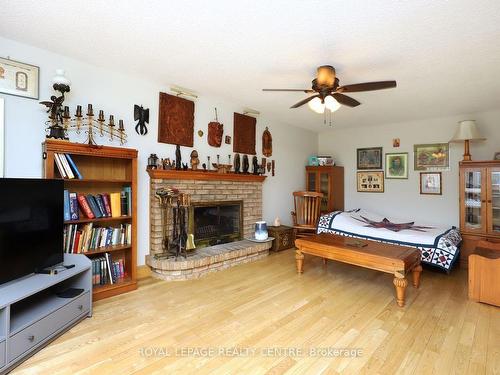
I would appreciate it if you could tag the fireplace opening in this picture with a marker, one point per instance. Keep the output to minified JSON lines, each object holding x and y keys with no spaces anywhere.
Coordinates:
{"x":214,"y":223}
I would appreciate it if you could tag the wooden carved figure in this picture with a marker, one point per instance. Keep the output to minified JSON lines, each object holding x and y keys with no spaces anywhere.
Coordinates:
{"x":267,"y":143}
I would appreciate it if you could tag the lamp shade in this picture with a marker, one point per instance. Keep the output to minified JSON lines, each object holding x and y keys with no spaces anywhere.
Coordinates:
{"x":317,"y":105}
{"x":331,"y":103}
{"x":467,"y":131}
{"x":60,"y":78}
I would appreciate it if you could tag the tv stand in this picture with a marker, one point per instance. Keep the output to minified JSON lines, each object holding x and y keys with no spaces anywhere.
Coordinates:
{"x":32,"y":315}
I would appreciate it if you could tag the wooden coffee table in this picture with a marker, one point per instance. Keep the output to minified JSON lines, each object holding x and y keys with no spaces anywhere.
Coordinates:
{"x":394,"y":259}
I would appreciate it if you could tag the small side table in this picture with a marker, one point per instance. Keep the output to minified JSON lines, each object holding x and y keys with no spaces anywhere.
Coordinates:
{"x":283,"y":237}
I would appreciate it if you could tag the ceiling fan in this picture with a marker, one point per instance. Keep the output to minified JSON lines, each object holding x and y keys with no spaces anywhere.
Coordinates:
{"x":329,"y":94}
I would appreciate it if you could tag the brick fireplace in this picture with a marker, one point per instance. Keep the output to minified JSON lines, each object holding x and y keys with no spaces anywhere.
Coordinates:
{"x":214,"y":190}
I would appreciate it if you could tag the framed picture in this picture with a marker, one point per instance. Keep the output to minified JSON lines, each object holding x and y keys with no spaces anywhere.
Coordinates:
{"x":19,"y":79}
{"x":435,"y":155}
{"x":369,"y":158}
{"x":396,"y":165}
{"x":496,"y":156}
{"x":430,"y":183}
{"x":370,"y":182}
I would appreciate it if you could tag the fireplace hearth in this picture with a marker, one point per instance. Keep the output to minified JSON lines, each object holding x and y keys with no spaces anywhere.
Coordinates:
{"x":227,"y":207}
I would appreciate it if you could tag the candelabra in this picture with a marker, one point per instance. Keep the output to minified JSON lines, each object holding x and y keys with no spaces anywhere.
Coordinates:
{"x":93,"y":127}
{"x":60,"y":121}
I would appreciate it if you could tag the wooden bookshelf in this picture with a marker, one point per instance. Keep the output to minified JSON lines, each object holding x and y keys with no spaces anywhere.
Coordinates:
{"x":104,"y":170}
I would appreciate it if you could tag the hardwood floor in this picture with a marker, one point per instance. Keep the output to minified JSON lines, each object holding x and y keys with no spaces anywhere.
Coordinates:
{"x":266,"y":305}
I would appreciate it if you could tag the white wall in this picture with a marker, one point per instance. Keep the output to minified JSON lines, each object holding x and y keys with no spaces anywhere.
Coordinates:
{"x":402,"y":198}
{"x":116,"y":94}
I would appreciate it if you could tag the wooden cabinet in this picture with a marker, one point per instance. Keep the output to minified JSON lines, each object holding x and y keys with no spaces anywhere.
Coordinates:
{"x":328,"y":180}
{"x":107,"y":170}
{"x":479,"y":204}
{"x":283,"y":237}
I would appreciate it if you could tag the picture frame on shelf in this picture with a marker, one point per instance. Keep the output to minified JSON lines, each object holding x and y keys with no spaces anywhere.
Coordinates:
{"x":19,"y":79}
{"x":431,"y":156}
{"x":431,"y":183}
{"x":370,"y":181}
{"x":496,"y":156}
{"x":396,"y":165}
{"x":369,"y":158}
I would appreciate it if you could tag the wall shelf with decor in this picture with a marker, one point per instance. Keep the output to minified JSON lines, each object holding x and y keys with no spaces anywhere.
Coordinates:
{"x":105,"y":230}
{"x":479,"y":204}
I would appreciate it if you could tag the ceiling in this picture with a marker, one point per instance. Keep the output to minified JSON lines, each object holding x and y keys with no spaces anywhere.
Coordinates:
{"x":445,"y":55}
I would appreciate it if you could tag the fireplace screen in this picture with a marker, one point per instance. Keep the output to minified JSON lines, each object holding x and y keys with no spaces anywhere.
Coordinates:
{"x":214,"y":223}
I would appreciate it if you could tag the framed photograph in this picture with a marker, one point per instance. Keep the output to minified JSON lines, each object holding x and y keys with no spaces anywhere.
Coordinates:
{"x":435,"y":155}
{"x":430,"y":183}
{"x":369,"y":158}
{"x":496,"y":156}
{"x":370,"y":182}
{"x":19,"y":79}
{"x":396,"y":165}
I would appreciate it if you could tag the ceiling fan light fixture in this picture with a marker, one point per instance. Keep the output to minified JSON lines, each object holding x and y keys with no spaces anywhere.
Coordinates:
{"x":331,"y":103}
{"x":316,"y":105}
{"x":326,"y":75}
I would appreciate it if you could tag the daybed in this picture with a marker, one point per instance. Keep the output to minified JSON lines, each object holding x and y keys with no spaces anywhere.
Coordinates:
{"x":438,"y":245}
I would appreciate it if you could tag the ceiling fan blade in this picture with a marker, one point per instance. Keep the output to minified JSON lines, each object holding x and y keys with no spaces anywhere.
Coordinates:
{"x":367,"y":86}
{"x":346,"y":100}
{"x":303,"y":90}
{"x":302,"y":102}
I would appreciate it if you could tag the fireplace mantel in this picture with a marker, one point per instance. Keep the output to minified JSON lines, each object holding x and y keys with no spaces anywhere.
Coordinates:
{"x":173,"y":174}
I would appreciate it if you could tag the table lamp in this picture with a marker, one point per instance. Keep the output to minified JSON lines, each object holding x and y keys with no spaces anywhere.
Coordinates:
{"x":467,"y":131}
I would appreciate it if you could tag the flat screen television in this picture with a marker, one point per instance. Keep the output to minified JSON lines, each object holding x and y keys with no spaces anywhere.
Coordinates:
{"x":31,"y":226}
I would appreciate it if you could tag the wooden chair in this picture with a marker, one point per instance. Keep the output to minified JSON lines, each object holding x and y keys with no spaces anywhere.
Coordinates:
{"x":484,"y":273}
{"x":306,"y":214}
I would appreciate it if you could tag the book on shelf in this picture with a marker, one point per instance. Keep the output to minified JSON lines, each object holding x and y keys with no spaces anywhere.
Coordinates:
{"x":95,"y":206}
{"x":67,"y":215}
{"x":73,"y":166}
{"x":84,"y":206}
{"x":105,"y":270}
{"x":84,"y":238}
{"x":100,"y":204}
{"x":115,"y":204}
{"x":59,"y":166}
{"x":66,"y":166}
{"x":126,"y":201}
{"x":73,"y":207}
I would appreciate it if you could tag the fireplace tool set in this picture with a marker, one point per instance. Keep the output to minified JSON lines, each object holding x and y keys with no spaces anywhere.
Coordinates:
{"x":179,"y":242}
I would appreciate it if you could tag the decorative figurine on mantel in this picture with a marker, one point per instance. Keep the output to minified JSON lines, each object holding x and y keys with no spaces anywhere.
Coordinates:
{"x":60,"y":121}
{"x":153,"y":161}
{"x":166,"y":163}
{"x":178,"y":160}
{"x":246,"y":165}
{"x":255,"y":165}
{"x":194,"y":160}
{"x":237,"y":163}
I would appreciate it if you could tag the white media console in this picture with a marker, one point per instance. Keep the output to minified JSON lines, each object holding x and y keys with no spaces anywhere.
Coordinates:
{"x":32,"y":315}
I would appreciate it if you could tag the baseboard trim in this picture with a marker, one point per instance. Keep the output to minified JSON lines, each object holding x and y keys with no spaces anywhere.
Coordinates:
{"x":143,"y":271}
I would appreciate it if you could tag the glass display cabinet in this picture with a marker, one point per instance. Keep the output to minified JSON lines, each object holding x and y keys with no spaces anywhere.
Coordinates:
{"x":328,"y":180}
{"x":479,"y":204}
